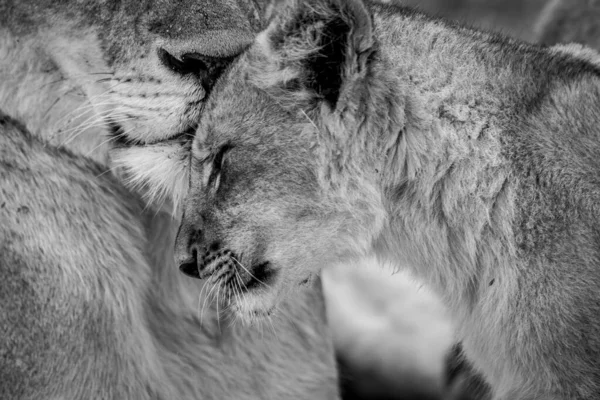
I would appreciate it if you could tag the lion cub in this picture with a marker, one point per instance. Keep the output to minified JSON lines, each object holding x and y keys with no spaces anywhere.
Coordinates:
{"x":348,"y":129}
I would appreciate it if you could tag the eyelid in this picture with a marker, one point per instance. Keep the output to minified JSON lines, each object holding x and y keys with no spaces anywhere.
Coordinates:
{"x":218,"y":159}
{"x":217,"y":162}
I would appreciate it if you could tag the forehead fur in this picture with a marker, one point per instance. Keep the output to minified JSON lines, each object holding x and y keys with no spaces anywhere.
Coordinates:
{"x":122,"y":24}
{"x":173,"y":19}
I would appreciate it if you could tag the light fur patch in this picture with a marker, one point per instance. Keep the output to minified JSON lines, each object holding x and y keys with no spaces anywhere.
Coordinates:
{"x":159,"y":171}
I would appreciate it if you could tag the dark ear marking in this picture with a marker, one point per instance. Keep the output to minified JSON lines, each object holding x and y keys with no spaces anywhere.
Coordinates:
{"x":206,"y":69}
{"x":218,"y":160}
{"x":326,"y":65}
{"x":325,"y":43}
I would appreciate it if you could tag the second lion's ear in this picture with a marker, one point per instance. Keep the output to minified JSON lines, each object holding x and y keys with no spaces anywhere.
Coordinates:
{"x":312,"y":49}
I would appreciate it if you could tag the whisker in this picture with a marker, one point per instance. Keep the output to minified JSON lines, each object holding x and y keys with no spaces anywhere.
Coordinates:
{"x":208,"y":297}
{"x":200,"y":297}
{"x":65,"y":119}
{"x":57,"y":100}
{"x":74,"y":133}
{"x":96,"y":120}
{"x":238,"y":283}
{"x":93,"y":100}
{"x":100,"y":145}
{"x":105,"y":80}
{"x":198,"y":308}
{"x":237,"y":288}
{"x":310,"y":120}
{"x":249,"y":273}
{"x":218,"y":301}
{"x":84,"y":109}
{"x":234,"y":288}
{"x":108,"y":170}
{"x":232,"y":321}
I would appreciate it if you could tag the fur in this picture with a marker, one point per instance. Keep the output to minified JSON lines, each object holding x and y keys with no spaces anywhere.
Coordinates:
{"x":468,"y":156}
{"x":70,"y":68}
{"x":560,"y":24}
{"x":93,"y":306}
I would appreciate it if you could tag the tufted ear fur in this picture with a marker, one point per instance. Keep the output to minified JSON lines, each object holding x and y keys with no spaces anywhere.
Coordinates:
{"x":313,"y":50}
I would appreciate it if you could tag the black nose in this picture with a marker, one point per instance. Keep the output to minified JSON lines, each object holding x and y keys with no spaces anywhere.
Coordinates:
{"x":186,"y":250}
{"x":205,"y":68}
{"x":190,"y":269}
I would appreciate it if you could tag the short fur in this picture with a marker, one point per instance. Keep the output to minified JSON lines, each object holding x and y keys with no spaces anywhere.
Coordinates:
{"x":92,"y":305}
{"x":571,"y":24}
{"x":349,"y":129}
{"x":71,"y":68}
{"x":92,"y":310}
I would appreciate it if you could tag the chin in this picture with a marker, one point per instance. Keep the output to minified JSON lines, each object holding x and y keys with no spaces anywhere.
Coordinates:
{"x":253,"y":308}
{"x":258,"y":304}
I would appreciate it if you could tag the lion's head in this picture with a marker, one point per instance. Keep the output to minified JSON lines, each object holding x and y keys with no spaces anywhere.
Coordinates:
{"x":139,"y":70}
{"x":278,"y":186}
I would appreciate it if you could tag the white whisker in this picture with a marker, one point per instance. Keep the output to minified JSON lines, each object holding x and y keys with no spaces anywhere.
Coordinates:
{"x":89,"y":153}
{"x":249,"y":273}
{"x":82,"y":109}
{"x":108,"y":170}
{"x":206,"y":300}
{"x":218,"y":301}
{"x":200,"y":298}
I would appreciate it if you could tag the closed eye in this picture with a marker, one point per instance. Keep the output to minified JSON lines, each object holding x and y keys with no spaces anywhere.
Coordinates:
{"x":217,"y":165}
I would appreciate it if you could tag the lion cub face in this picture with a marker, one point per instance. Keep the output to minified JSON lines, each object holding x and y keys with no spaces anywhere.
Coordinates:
{"x":255,"y":221}
{"x":266,"y":209}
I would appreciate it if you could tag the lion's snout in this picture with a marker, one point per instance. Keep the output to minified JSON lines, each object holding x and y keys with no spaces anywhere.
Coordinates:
{"x":218,"y":262}
{"x":200,"y":262}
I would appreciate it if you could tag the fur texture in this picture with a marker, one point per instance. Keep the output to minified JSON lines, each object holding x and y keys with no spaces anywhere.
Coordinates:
{"x":73,"y":68}
{"x":92,"y":305}
{"x":349,"y":129}
{"x":561,"y":23}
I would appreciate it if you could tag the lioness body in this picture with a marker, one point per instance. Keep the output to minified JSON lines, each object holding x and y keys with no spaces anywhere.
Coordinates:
{"x":93,"y":307}
{"x":466,"y":155}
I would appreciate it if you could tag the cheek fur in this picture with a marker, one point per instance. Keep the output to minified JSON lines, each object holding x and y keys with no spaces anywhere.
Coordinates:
{"x":158,"y":171}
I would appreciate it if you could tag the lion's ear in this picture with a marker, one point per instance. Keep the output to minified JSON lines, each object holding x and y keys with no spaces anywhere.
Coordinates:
{"x":312,"y":49}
